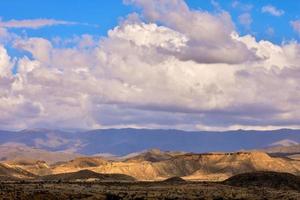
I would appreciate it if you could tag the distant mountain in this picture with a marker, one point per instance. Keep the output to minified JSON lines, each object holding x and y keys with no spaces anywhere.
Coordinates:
{"x":120,"y":142}
{"x":21,"y":152}
{"x":285,"y":143}
{"x":293,"y":149}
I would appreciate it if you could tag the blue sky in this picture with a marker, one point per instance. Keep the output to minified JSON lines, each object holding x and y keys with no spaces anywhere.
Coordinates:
{"x":104,"y":15}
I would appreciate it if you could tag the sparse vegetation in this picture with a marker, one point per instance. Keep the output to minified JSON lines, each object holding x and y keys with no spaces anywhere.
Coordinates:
{"x":139,"y":191}
{"x":170,"y":178}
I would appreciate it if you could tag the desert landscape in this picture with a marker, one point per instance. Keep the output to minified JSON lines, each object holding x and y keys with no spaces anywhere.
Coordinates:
{"x":154,"y":174}
{"x":149,"y":100}
{"x":275,"y":188}
{"x":29,"y":170}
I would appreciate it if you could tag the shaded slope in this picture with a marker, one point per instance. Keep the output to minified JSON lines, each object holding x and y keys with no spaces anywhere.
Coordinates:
{"x":87,"y":174}
{"x":36,"y":167}
{"x":283,"y":181}
{"x":81,"y":163}
{"x":220,"y":166}
{"x":11,"y":173}
{"x":174,"y":179}
{"x":211,"y":166}
{"x":154,"y":155}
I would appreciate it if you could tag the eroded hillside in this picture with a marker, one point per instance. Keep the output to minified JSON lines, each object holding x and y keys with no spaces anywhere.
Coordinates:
{"x":154,"y":165}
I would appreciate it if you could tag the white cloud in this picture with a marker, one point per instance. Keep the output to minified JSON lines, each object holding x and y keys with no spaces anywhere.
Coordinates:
{"x":201,"y":47}
{"x":3,"y":33}
{"x":245,"y":19}
{"x":296,"y":25}
{"x":33,"y":23}
{"x":172,"y":75}
{"x":5,"y":62}
{"x":242,"y":6}
{"x":270,"y":31}
{"x":272,"y":10}
{"x":40,"y":48}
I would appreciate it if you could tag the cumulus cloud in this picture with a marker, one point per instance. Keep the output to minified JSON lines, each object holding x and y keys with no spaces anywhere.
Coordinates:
{"x":272,"y":10}
{"x":33,"y":23}
{"x":296,"y":25}
{"x":201,"y":46}
{"x":160,"y":70}
{"x":5,"y":62}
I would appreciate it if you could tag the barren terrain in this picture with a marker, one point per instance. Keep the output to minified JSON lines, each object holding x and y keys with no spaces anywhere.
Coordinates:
{"x":140,"y":190}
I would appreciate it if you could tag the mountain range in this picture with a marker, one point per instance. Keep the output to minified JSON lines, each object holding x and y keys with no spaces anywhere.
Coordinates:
{"x":120,"y":142}
{"x":142,"y":154}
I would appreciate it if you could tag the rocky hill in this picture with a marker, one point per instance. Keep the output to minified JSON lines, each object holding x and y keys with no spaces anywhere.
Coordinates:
{"x":283,"y":181}
{"x":290,"y":151}
{"x":21,"y":152}
{"x":159,"y":165}
{"x":86,"y":175}
{"x":210,"y":166}
{"x":154,"y":155}
{"x":36,"y":167}
{"x":8,"y":172}
{"x":79,"y":163}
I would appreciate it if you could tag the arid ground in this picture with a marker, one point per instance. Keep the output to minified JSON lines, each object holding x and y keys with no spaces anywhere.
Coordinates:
{"x":139,"y":190}
{"x":252,"y":186}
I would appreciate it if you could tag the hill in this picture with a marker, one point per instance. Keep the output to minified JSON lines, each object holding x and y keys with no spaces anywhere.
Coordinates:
{"x":282,"y":181}
{"x":210,"y":166}
{"x":174,"y":180}
{"x":153,"y":155}
{"x":159,"y":165}
{"x":21,"y":152}
{"x":290,"y":151}
{"x":295,"y":156}
{"x":87,"y":175}
{"x":36,"y":167}
{"x":11,"y":173}
{"x":82,"y":162}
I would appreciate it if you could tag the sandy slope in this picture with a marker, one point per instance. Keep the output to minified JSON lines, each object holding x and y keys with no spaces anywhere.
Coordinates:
{"x":212,"y":166}
{"x":8,"y":172}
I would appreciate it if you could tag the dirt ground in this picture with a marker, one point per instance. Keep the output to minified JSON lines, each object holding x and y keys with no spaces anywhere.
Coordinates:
{"x":137,"y":190}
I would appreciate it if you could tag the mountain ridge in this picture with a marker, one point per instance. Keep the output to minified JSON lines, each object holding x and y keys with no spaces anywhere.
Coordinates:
{"x":121,"y":142}
{"x":191,"y":166}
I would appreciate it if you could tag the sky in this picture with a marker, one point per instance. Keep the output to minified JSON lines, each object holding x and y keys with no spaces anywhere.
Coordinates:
{"x":191,"y":65}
